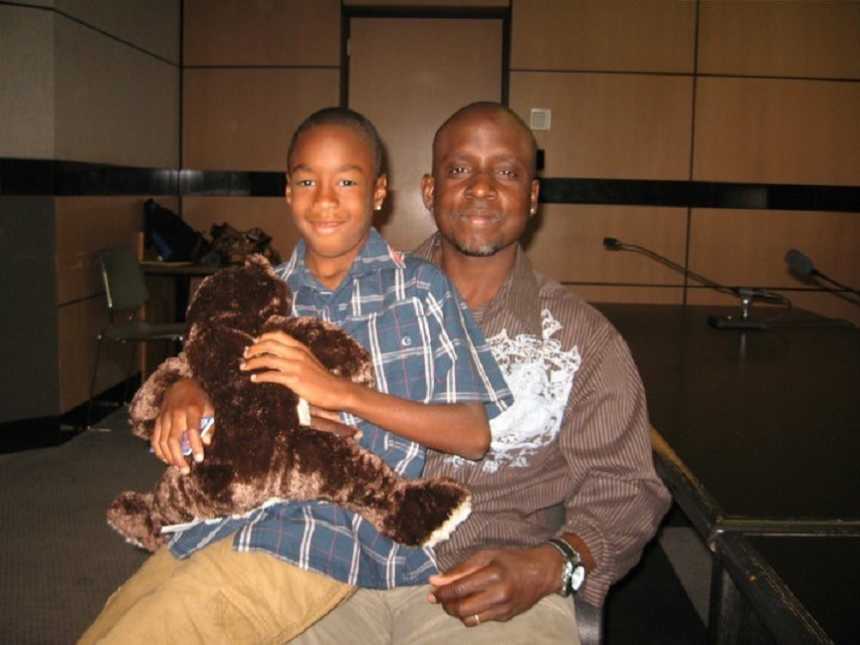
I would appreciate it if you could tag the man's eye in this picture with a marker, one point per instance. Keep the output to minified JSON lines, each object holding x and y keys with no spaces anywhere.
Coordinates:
{"x":507,"y":172}
{"x":456,"y":170}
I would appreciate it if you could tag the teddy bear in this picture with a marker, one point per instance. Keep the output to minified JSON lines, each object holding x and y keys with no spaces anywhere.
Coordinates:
{"x":262,"y":450}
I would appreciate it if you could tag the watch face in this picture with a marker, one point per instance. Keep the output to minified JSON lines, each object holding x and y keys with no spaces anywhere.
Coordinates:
{"x":577,"y":577}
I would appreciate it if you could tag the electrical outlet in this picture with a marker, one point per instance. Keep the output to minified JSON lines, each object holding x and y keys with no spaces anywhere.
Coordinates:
{"x":540,"y":118}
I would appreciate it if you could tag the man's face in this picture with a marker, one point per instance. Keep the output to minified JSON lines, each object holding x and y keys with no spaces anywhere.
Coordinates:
{"x":482,"y":192}
{"x":332,"y":190}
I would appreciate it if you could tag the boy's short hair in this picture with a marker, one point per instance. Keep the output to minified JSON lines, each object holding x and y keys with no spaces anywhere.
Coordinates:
{"x":344,"y":117}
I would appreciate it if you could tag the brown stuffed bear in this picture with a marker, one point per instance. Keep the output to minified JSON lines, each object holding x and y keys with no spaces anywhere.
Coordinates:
{"x":260,"y":450}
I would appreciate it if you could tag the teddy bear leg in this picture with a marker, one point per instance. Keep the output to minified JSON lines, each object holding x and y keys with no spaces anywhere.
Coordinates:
{"x":131,"y":515}
{"x":427,"y":511}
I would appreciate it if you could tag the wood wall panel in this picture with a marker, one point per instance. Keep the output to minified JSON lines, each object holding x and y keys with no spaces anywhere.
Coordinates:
{"x":152,"y":25}
{"x":748,"y":247}
{"x":624,"y":293}
{"x":624,"y":35}
{"x":114,"y":104}
{"x":459,"y":4}
{"x":809,"y":39}
{"x":77,"y":324}
{"x":820,"y":302}
{"x":408,"y":107}
{"x":285,"y":32}
{"x":269,"y":213}
{"x":568,"y":245}
{"x":86,"y":225}
{"x":778,"y":131}
{"x":610,"y":125}
{"x":27,"y":70}
{"x":242,"y":119}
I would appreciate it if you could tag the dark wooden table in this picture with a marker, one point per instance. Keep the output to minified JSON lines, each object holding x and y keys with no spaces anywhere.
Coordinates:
{"x":802,"y":588}
{"x":181,"y":273}
{"x":757,"y":432}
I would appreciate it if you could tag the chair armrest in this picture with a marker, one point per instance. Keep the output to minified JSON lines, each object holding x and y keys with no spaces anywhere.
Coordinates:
{"x":589,"y":621}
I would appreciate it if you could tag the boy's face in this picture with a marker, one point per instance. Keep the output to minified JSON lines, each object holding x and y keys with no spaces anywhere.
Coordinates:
{"x":482,"y":191}
{"x":332,"y":191}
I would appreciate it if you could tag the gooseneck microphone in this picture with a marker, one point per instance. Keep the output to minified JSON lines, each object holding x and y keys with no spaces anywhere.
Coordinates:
{"x":802,"y":267}
{"x":744,"y":294}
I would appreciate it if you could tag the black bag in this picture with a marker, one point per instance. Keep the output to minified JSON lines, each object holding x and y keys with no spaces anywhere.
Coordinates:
{"x":173,"y":239}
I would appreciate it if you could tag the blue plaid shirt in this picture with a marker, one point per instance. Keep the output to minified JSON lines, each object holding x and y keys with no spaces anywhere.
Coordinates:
{"x":425,"y":347}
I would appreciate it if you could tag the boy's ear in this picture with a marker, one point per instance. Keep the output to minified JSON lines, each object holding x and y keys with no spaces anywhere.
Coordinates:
{"x":427,"y":189}
{"x":288,"y":191}
{"x":380,"y":190}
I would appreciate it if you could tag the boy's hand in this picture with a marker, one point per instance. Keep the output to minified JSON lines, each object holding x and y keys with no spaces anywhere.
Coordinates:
{"x":184,"y":404}
{"x":286,"y":361}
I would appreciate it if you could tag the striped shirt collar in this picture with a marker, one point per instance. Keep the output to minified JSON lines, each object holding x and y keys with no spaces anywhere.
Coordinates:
{"x":375,"y":255}
{"x":519,"y":295}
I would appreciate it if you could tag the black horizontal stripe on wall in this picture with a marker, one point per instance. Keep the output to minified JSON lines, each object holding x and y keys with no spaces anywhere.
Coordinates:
{"x":699,"y":194}
{"x":72,"y":178}
{"x":68,"y":178}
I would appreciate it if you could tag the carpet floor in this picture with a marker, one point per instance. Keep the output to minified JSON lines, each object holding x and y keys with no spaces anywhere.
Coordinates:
{"x":60,"y":561}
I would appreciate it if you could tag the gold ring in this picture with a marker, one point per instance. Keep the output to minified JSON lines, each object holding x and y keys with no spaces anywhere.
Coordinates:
{"x":477,"y":619}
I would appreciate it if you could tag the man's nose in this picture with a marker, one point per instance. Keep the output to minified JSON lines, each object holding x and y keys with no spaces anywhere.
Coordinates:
{"x":482,"y":185}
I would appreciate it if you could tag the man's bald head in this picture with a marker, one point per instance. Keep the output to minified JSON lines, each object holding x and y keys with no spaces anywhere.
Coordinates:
{"x":492,"y":111}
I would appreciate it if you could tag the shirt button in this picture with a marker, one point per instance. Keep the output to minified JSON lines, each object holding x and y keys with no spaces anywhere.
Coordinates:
{"x":406,"y":341}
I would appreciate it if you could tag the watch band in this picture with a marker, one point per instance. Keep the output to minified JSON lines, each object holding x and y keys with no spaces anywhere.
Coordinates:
{"x":573,"y":572}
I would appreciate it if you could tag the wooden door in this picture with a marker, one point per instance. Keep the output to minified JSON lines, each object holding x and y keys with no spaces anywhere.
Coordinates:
{"x":407,"y":75}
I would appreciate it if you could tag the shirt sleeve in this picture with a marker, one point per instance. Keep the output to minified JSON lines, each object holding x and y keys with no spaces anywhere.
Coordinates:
{"x":464,"y":366}
{"x":618,"y":500}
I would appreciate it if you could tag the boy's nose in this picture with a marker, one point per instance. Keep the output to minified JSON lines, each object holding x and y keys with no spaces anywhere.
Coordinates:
{"x":326,"y":198}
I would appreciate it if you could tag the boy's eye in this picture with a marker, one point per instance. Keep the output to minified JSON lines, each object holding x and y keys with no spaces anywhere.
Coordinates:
{"x":348,"y":182}
{"x":305,"y":183}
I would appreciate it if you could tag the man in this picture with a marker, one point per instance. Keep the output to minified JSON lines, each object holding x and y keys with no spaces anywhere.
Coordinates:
{"x":576,"y":437}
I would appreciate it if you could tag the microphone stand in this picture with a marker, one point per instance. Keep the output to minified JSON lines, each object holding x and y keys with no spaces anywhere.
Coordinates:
{"x":746,"y":295}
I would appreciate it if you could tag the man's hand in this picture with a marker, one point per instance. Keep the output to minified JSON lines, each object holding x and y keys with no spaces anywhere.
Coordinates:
{"x":286,"y":361}
{"x":184,"y":404}
{"x":498,"y":584}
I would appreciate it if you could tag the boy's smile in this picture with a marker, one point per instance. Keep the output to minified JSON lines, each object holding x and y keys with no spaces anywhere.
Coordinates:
{"x":332,"y":191}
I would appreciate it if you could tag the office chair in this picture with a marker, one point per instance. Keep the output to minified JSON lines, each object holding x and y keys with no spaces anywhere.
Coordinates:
{"x":125,"y":289}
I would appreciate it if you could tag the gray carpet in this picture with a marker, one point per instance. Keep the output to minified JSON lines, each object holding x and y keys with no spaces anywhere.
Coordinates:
{"x":59,"y":560}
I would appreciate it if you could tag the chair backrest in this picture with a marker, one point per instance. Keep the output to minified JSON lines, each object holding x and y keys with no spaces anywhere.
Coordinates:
{"x":123,"y":279}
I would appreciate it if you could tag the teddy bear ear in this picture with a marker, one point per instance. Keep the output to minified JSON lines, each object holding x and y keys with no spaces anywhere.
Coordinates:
{"x":260,"y":261}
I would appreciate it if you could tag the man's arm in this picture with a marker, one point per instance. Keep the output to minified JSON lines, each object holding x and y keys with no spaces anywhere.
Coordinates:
{"x":618,"y":499}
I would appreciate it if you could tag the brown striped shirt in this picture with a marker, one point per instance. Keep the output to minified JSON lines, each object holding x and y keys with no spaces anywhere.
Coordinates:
{"x":576,"y":436}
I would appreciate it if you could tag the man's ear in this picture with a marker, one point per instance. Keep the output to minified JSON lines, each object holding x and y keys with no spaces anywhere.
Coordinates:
{"x":380,"y":190}
{"x":534,"y":193}
{"x":428,"y":186}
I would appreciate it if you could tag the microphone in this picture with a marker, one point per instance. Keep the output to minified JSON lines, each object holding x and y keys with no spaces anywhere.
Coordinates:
{"x":801,"y":266}
{"x":744,"y":294}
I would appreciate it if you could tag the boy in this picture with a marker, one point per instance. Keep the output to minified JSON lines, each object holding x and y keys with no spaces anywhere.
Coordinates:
{"x":444,"y":386}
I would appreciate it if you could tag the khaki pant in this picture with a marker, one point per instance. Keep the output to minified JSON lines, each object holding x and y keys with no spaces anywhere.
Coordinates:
{"x":216,"y":596}
{"x":404,"y":616}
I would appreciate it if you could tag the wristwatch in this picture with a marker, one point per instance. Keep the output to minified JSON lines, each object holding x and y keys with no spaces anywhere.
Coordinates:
{"x":573,"y":573}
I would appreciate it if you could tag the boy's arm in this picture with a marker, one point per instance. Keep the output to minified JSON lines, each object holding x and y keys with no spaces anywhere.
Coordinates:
{"x":458,"y":428}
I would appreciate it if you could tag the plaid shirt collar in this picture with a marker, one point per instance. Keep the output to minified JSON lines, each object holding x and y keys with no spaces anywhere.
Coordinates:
{"x":519,"y":295}
{"x":375,"y":255}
